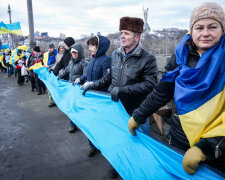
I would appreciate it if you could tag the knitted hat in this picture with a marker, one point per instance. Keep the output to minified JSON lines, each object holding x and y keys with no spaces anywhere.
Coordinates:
{"x":69,"y":41}
{"x":37,"y":49}
{"x":208,"y":10}
{"x":131,"y":24}
{"x":51,"y":46}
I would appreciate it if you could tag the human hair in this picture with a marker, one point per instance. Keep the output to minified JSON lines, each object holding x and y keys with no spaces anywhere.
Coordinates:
{"x":136,"y":34}
{"x":93,"y":41}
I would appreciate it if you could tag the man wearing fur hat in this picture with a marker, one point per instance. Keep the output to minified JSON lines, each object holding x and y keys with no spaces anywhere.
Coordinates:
{"x":196,"y":82}
{"x":133,"y":72}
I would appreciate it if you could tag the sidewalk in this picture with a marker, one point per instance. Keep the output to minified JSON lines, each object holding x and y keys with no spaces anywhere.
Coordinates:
{"x":35,"y":143}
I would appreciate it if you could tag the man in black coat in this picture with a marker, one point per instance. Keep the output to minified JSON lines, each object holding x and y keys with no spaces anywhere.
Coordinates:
{"x":69,"y":41}
{"x":133,"y":71}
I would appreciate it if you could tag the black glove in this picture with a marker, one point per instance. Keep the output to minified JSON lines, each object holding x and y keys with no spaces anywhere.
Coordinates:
{"x":88,"y":87}
{"x":115,"y":94}
{"x":50,"y":70}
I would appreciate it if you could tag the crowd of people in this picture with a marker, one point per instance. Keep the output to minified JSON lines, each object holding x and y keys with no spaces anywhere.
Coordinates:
{"x":130,"y":75}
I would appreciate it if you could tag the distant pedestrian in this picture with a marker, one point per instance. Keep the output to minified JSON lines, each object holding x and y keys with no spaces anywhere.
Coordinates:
{"x":20,"y":60}
{"x":8,"y":65}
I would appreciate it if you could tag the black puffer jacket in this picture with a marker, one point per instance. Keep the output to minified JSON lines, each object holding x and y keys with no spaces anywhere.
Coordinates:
{"x":63,"y":63}
{"x":77,"y":67}
{"x":135,"y":75}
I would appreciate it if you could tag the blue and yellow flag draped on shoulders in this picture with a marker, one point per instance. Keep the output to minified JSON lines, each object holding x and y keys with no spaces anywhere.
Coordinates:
{"x":199,"y":92}
{"x":13,"y":28}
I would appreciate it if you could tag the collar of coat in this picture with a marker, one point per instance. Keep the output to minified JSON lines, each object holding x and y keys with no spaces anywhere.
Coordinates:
{"x":136,"y":52}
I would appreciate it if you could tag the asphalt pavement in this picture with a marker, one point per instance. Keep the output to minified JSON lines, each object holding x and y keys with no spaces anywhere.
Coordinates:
{"x":34,"y":139}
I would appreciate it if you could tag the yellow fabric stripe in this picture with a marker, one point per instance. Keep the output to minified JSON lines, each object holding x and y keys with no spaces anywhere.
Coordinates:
{"x":17,"y":31}
{"x":36,"y":66}
{"x":45,"y":60}
{"x":206,"y":121}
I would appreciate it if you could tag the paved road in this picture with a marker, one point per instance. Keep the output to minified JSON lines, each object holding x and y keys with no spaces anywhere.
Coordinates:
{"x":34,"y":142}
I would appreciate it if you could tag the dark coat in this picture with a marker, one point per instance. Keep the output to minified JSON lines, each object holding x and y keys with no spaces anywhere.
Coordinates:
{"x":98,"y":64}
{"x":135,"y":75}
{"x":76,"y":67}
{"x":63,"y":63}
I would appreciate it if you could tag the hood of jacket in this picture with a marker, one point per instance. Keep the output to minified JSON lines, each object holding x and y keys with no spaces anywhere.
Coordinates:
{"x":103,"y":45}
{"x":80,"y":50}
{"x":61,"y":44}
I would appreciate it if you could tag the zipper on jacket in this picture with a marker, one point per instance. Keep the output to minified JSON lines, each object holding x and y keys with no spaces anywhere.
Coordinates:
{"x":92,"y":67}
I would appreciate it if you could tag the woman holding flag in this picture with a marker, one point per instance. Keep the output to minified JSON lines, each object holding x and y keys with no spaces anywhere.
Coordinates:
{"x":196,"y":82}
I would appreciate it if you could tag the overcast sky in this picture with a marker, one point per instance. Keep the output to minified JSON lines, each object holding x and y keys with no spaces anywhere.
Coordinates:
{"x":77,"y":17}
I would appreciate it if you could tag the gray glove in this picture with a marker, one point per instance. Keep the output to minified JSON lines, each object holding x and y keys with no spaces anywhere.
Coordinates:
{"x":88,"y":83}
{"x":77,"y":81}
{"x":87,"y":86}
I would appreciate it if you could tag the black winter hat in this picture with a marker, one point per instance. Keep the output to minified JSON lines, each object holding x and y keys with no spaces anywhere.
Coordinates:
{"x":69,"y":41}
{"x":19,"y":51}
{"x":37,"y":49}
{"x":51,"y":46}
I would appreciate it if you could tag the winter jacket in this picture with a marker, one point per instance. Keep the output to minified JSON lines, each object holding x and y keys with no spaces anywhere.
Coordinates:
{"x":63,"y":64}
{"x":6,"y":58}
{"x":20,"y":61}
{"x":161,"y":95}
{"x":49,"y":59}
{"x":33,"y":59}
{"x":58,"y":57}
{"x":135,"y":74}
{"x":77,"y":67}
{"x":100,"y":63}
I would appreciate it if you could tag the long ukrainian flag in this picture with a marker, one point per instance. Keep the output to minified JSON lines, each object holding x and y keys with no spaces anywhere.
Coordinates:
{"x":199,"y":92}
{"x":13,"y":28}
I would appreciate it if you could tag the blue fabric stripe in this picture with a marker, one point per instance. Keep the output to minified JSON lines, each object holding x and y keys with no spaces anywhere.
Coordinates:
{"x":105,"y":122}
{"x":13,"y":26}
{"x":6,"y":46}
{"x":196,"y":86}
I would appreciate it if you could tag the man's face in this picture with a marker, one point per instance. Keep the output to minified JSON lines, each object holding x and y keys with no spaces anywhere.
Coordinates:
{"x":35,"y":53}
{"x":92,"y":49}
{"x":66,"y":47}
{"x":128,"y":39}
{"x":75,"y":55}
{"x":50,"y":50}
{"x":19,"y":54}
{"x":206,"y":33}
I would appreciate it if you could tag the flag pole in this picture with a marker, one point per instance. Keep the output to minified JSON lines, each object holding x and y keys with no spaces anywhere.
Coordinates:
{"x":10,"y":21}
{"x":31,"y":23}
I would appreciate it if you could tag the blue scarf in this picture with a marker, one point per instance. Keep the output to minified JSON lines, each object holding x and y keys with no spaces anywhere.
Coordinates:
{"x":196,"y":86}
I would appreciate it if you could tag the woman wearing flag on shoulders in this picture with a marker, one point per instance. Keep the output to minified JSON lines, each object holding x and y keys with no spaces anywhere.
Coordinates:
{"x":196,"y":82}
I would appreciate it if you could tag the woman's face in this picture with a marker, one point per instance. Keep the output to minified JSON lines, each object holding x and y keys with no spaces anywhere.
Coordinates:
{"x":61,"y":49}
{"x":92,"y":49}
{"x":206,"y":33}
